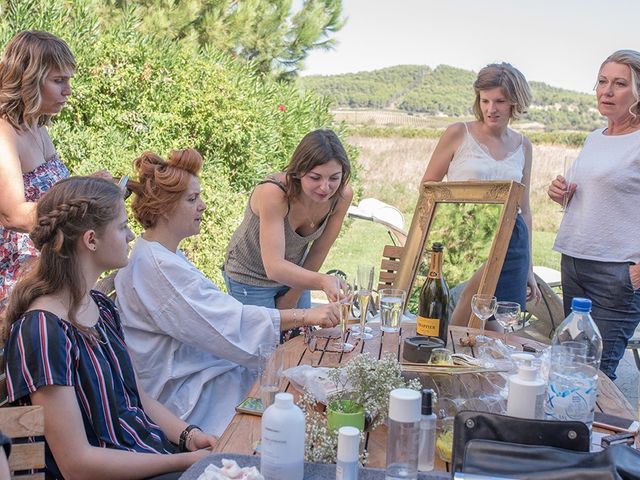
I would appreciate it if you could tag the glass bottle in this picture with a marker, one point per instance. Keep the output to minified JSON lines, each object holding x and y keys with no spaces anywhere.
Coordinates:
{"x":433,"y":310}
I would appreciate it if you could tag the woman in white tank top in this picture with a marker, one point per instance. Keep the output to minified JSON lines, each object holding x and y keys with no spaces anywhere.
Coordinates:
{"x":487,"y":149}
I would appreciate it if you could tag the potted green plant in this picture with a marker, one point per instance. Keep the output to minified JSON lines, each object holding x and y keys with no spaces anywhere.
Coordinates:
{"x":342,"y":412}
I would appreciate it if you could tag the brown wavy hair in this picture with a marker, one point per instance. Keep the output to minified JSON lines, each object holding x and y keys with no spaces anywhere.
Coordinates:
{"x":67,"y":210}
{"x":513,"y":84}
{"x":161,"y":183}
{"x":26,"y":61}
{"x":316,"y":148}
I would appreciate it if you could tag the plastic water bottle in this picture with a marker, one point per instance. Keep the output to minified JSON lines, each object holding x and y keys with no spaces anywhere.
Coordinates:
{"x":403,"y":434}
{"x":576,"y":350}
{"x":282,"y":441}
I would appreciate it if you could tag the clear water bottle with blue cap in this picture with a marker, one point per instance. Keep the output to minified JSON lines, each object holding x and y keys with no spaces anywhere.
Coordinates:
{"x":576,"y":350}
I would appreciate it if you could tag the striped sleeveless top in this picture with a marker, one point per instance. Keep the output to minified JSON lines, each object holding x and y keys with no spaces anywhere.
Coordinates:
{"x":243,"y":261}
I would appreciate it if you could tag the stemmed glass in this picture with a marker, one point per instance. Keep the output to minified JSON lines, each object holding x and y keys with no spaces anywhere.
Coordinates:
{"x":345,"y":301}
{"x":365,"y":286}
{"x":483,"y":306}
{"x":508,"y":316}
{"x":567,"y":172}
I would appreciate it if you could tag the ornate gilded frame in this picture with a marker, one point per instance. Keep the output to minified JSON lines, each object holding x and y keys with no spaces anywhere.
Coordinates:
{"x":505,"y":193}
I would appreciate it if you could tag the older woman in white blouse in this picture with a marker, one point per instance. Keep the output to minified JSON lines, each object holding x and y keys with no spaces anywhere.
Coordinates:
{"x":194,"y":347}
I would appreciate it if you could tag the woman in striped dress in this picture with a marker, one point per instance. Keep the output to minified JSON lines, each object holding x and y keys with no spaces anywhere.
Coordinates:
{"x":66,"y":351}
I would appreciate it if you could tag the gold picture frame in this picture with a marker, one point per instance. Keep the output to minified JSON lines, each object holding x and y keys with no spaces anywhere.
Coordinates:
{"x":505,"y":193}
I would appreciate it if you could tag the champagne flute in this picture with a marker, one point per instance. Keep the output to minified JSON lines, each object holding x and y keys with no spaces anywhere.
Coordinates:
{"x":365,"y":286}
{"x":345,"y":301}
{"x":508,"y":316}
{"x":567,"y":178}
{"x":483,"y":306}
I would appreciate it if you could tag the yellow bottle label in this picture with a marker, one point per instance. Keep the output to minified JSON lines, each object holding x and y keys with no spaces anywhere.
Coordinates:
{"x":428,"y":327}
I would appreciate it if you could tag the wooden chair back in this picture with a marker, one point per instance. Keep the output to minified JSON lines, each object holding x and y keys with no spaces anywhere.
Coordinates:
{"x":389,"y":266}
{"x":107,"y":285}
{"x":20,"y":424}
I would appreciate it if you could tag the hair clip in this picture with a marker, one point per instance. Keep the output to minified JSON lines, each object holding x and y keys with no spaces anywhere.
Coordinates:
{"x":123,"y":186}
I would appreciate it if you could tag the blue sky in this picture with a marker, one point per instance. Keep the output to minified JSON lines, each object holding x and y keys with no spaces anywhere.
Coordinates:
{"x":560,"y":42}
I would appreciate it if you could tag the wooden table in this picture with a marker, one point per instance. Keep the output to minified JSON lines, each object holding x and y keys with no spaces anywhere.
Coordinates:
{"x":243,"y":433}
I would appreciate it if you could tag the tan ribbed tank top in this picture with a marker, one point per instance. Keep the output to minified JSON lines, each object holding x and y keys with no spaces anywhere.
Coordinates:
{"x":243,"y":261}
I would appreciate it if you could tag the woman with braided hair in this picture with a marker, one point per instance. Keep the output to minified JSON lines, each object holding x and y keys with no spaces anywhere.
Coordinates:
{"x":66,"y":351}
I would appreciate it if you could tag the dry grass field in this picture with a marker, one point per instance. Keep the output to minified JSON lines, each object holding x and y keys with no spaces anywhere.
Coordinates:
{"x":390,"y":170}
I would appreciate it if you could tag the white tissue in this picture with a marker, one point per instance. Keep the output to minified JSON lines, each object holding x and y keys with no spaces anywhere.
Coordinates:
{"x":230,"y":471}
{"x":313,"y":379}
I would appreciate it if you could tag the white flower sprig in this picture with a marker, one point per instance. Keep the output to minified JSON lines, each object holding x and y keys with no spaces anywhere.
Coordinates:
{"x":363,"y":380}
{"x":368,"y":381}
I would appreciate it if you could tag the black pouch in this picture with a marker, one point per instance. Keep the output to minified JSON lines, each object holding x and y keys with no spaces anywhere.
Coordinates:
{"x":492,"y":459}
{"x":471,"y":425}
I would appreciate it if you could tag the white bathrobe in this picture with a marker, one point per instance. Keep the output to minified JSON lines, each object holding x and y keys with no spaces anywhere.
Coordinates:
{"x":195,"y":348}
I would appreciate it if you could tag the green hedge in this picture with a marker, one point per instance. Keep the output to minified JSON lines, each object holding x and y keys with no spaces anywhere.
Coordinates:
{"x":133,"y":93}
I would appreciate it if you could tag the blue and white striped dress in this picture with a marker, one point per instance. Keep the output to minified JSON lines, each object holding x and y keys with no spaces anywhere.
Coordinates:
{"x":44,"y":349}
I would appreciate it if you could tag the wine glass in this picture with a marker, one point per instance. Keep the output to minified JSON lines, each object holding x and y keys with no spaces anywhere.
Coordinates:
{"x":483,"y":306}
{"x":365,"y":286}
{"x":345,"y":301}
{"x":508,"y":316}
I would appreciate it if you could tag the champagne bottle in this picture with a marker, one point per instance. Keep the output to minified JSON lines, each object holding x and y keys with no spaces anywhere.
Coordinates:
{"x":433,"y":313}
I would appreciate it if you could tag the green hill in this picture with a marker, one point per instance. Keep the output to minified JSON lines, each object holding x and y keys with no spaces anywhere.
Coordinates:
{"x":447,"y":91}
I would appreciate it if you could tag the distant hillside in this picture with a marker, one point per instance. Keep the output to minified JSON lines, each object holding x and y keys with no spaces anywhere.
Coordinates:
{"x":447,"y":91}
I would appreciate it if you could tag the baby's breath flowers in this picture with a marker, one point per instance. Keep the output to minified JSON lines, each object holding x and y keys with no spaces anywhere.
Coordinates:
{"x":363,"y":380}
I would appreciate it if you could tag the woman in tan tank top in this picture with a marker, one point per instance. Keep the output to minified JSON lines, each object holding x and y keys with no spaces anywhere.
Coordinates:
{"x":290,"y":223}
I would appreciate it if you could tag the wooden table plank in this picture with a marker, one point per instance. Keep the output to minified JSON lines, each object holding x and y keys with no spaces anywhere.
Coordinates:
{"x":244,"y":430}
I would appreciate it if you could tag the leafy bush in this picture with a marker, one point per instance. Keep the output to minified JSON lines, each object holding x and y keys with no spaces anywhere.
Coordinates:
{"x":133,"y":93}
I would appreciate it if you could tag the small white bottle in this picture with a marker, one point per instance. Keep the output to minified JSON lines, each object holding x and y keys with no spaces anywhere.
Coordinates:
{"x":427,"y":451}
{"x":526,"y":391}
{"x":282,"y":443}
{"x":348,"y":453}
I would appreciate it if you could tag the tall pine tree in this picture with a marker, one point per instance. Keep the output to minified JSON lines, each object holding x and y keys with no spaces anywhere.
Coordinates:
{"x":271,"y":34}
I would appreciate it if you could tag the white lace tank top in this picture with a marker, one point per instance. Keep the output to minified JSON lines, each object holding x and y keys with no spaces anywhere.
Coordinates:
{"x":472,"y":161}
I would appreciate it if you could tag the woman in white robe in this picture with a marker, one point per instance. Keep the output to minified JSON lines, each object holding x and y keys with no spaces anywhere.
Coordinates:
{"x":194,"y":347}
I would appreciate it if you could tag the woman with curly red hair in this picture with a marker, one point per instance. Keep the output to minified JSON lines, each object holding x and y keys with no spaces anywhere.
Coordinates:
{"x":193,"y":345}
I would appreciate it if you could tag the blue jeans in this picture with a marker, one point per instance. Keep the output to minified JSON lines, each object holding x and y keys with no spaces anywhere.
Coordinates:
{"x":261,"y":296}
{"x":615,"y":304}
{"x":265,"y":297}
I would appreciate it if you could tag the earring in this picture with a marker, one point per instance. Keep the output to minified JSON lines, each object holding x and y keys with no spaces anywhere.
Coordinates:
{"x":92,"y":248}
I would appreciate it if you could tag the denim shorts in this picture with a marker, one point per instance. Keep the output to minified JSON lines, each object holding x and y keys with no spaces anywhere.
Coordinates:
{"x":261,"y":296}
{"x":615,"y":303}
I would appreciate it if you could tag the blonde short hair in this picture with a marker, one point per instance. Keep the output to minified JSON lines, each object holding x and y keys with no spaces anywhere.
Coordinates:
{"x":26,"y":61}
{"x":513,"y":84}
{"x":630,"y":58}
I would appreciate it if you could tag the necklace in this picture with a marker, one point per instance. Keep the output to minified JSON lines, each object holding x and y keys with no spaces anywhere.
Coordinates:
{"x":313,"y":220}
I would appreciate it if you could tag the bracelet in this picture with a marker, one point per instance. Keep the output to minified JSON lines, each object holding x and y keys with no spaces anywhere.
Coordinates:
{"x":304,"y":311}
{"x":182,"y":444}
{"x":294,"y":315}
